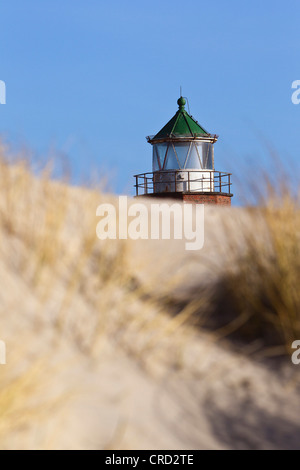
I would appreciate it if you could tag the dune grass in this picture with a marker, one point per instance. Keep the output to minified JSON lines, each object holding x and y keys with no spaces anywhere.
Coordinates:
{"x":70,"y":288}
{"x":264,"y":284}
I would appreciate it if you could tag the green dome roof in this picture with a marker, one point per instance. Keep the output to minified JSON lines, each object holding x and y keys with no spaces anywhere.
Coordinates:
{"x":181,"y":125}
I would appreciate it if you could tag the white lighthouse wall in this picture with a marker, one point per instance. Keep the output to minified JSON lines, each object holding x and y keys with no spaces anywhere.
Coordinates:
{"x":183,"y":181}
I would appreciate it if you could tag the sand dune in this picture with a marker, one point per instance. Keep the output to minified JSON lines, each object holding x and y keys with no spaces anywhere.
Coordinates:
{"x":103,"y":350}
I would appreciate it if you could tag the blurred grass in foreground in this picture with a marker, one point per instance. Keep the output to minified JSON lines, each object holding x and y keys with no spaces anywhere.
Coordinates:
{"x":65,"y":293}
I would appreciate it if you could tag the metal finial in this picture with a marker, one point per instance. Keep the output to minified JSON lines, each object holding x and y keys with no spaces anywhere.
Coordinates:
{"x":181,"y":102}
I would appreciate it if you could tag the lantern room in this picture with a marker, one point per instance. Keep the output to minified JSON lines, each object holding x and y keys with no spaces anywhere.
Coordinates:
{"x":183,"y":165}
{"x":182,"y":143}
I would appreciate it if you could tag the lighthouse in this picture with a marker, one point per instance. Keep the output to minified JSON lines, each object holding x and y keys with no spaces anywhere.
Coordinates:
{"x":183,"y":164}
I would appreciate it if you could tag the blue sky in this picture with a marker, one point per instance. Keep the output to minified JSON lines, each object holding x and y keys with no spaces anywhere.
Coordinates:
{"x":91,"y":79}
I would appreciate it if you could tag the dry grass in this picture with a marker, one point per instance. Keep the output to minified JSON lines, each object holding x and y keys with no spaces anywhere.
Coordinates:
{"x":255,"y":295}
{"x":67,"y":290}
{"x":65,"y":294}
{"x":262,"y":286}
{"x":269,"y":266}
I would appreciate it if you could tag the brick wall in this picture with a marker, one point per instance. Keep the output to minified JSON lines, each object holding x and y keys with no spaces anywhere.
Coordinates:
{"x":207,"y":198}
{"x":221,"y":200}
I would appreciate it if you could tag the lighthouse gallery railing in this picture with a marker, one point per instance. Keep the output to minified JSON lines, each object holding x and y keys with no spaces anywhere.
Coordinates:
{"x":183,"y":181}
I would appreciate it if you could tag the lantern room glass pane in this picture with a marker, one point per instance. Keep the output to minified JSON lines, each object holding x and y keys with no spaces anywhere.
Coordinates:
{"x":200,"y":156}
{"x":193,"y":161}
{"x":182,"y":149}
{"x":155,"y":165}
{"x":160,"y":151}
{"x":171,"y":162}
{"x":207,"y":156}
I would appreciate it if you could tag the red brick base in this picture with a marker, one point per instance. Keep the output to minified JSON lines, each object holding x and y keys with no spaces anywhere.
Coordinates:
{"x":221,"y":200}
{"x":197,"y":198}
